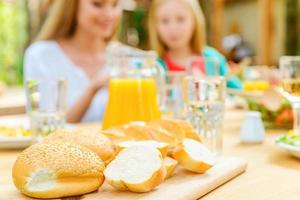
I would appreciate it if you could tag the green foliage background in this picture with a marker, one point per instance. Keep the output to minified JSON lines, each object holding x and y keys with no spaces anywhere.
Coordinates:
{"x":13,"y":39}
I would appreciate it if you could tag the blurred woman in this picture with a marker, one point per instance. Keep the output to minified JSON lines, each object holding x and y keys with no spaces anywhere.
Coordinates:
{"x":71,"y":45}
{"x":177,"y":33}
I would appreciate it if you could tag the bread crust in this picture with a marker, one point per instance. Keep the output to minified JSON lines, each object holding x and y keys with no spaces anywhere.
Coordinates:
{"x":70,"y":170}
{"x":161,"y":146}
{"x":170,"y":165}
{"x":188,"y":162}
{"x":155,"y":178}
{"x":93,"y":140}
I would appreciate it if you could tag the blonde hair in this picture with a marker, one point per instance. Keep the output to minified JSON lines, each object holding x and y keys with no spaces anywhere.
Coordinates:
{"x":198,"y":40}
{"x":61,"y":20}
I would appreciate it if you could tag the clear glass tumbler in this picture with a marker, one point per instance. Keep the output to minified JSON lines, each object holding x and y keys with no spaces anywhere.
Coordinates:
{"x":204,"y":100}
{"x":173,"y":106}
{"x":46,"y":106}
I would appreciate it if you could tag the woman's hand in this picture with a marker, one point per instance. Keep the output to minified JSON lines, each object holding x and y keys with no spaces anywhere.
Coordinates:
{"x":78,"y":110}
{"x":99,"y":82}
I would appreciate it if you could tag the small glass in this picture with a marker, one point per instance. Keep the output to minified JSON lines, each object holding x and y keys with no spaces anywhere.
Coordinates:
{"x":290,"y":85}
{"x":204,"y":100}
{"x":212,"y":66}
{"x":201,"y":67}
{"x":46,"y":106}
{"x":173,"y":105}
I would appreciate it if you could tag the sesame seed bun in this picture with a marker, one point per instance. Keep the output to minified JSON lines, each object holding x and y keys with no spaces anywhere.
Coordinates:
{"x":54,"y":170}
{"x":93,"y":140}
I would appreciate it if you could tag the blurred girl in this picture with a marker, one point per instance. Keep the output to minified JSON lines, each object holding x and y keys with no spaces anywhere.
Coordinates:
{"x":177,"y":33}
{"x":71,"y":45}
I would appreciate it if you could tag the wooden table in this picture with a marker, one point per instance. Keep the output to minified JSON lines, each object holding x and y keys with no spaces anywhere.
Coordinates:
{"x":12,"y":102}
{"x":272,"y":174}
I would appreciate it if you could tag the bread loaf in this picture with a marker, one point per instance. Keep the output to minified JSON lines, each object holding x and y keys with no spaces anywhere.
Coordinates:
{"x":137,"y":169}
{"x":55,"y":170}
{"x":194,"y":156}
{"x":93,"y":140}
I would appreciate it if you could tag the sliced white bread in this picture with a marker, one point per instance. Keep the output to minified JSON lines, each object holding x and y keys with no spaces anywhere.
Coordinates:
{"x":137,"y":169}
{"x":160,"y":134}
{"x":194,"y":156}
{"x":116,"y":134}
{"x":128,"y":132}
{"x":161,"y":146}
{"x":188,"y":130}
{"x":171,"y":126}
{"x":136,"y":130}
{"x":170,"y":165}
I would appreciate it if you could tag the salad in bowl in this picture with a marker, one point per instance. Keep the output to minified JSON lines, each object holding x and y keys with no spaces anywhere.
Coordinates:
{"x":290,"y":142}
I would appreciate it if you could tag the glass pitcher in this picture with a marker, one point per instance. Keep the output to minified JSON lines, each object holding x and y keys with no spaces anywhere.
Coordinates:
{"x":134,"y":94}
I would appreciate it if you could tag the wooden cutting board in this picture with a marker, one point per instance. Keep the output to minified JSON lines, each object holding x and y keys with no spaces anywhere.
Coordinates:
{"x":183,"y":185}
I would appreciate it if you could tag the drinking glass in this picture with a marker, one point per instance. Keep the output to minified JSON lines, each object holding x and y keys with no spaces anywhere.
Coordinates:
{"x":199,"y":66}
{"x":212,"y":66}
{"x":173,"y":106}
{"x":46,"y":106}
{"x":205,"y":104}
{"x":290,"y":85}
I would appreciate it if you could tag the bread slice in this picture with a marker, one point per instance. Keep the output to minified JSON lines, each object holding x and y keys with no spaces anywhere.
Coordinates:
{"x":93,"y":140}
{"x":161,"y":146}
{"x":171,"y":126}
{"x":170,"y":165}
{"x":116,"y":134}
{"x":137,"y":169}
{"x":189,"y":131}
{"x":136,"y":131}
{"x":160,"y":134}
{"x":55,"y":170}
{"x":128,"y":132}
{"x":194,"y":156}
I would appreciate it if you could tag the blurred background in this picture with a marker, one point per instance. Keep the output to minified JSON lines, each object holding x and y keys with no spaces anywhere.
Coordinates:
{"x":262,"y":30}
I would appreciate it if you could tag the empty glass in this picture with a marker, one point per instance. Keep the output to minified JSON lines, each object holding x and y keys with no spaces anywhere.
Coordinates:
{"x":46,"y":106}
{"x":204,"y":105}
{"x":173,"y":106}
{"x":201,"y":67}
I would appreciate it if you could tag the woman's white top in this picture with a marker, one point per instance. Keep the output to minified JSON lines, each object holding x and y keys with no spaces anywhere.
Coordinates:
{"x":46,"y":60}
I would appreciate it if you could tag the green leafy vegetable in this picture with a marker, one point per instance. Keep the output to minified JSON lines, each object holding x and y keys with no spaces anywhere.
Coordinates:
{"x":291,"y":139}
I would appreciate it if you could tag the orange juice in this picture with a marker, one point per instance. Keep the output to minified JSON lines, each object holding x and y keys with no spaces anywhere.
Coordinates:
{"x":131,"y":100}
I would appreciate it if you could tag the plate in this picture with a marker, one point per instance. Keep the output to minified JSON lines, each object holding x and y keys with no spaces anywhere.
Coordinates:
{"x":14,"y":142}
{"x":294,"y":150}
{"x":21,"y":142}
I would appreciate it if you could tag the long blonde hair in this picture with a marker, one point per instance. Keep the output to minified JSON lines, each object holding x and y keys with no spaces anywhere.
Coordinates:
{"x":198,"y":40}
{"x":61,"y":20}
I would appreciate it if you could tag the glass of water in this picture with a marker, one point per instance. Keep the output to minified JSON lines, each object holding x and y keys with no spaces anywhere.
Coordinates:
{"x":173,"y":106}
{"x":204,"y":100}
{"x":46,"y":106}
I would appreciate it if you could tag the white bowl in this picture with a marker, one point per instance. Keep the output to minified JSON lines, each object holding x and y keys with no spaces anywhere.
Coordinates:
{"x":14,"y":142}
{"x":294,"y":150}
